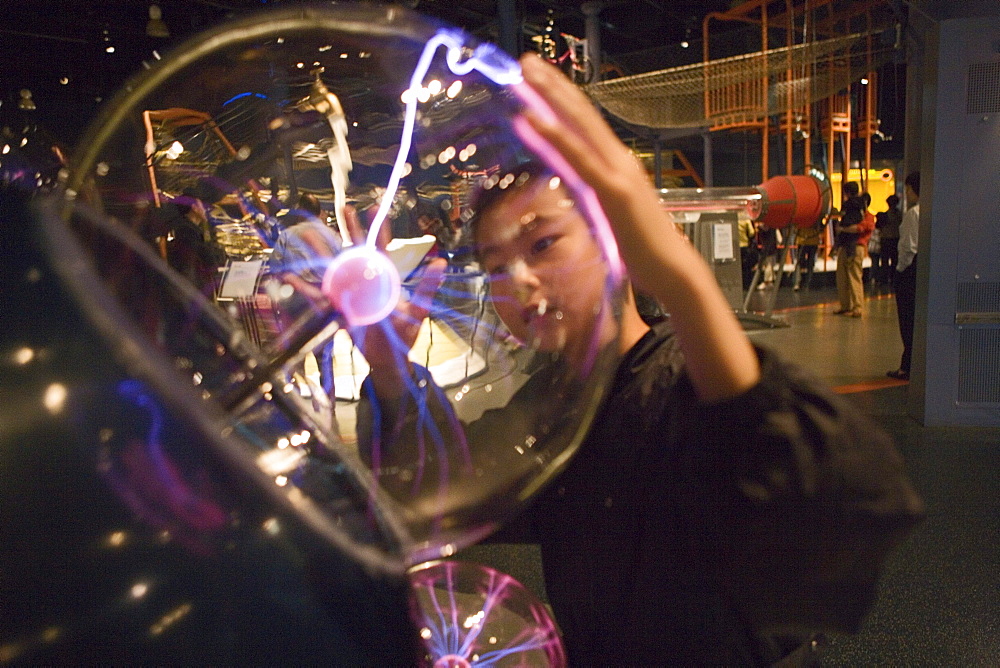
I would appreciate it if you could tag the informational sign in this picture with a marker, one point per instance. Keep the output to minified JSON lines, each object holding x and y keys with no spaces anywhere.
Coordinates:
{"x":241,"y":279}
{"x":722,"y":241}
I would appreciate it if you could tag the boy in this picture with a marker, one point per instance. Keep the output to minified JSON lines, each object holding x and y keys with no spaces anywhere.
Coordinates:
{"x":722,"y":497}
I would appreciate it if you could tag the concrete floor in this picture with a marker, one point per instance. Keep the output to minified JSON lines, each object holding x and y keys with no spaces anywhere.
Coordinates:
{"x":940,"y":593}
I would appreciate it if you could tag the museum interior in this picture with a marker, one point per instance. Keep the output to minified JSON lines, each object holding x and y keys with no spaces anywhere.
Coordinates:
{"x":223,"y":221}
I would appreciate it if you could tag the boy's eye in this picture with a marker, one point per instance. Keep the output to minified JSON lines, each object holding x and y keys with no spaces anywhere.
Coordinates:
{"x":498,"y":271}
{"x":542,"y":244}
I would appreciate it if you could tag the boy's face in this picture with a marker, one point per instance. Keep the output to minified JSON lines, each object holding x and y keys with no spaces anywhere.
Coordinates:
{"x":547,"y":273}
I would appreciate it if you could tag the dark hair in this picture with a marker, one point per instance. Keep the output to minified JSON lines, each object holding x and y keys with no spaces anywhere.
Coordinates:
{"x":495,"y":187}
{"x":892,"y":201}
{"x":310,"y":203}
{"x":852,"y":188}
{"x":425,"y":208}
{"x":913,"y":180}
{"x":185,"y":201}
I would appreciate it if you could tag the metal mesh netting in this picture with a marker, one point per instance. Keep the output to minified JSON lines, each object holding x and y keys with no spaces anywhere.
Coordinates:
{"x":187,"y":144}
{"x":738,"y":90}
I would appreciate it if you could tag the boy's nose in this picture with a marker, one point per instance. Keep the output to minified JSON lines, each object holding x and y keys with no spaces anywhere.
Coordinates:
{"x":524,"y":279}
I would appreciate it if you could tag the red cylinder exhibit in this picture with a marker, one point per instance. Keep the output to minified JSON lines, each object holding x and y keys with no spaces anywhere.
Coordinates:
{"x":798,"y":200}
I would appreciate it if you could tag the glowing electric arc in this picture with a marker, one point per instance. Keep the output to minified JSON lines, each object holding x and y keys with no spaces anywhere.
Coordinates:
{"x":371,"y":263}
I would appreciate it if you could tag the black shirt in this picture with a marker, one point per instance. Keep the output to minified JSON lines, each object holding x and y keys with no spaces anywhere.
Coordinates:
{"x":687,"y":533}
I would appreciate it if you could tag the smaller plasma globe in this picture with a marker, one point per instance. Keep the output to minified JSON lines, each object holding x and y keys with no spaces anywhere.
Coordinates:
{"x":471,"y":615}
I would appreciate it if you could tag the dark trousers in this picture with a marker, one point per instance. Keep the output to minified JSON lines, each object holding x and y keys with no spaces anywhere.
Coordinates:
{"x":876,"y":271}
{"x":890,"y":256}
{"x":748,"y":258}
{"x":806,"y":262}
{"x":906,"y":302}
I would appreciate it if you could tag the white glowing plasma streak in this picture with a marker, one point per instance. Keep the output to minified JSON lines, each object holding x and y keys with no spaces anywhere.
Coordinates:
{"x":339,"y":155}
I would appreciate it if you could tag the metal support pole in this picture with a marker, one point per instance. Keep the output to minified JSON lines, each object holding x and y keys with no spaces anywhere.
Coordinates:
{"x":509,"y":28}
{"x":706,"y":138}
{"x":657,"y":163}
{"x":592,"y":10}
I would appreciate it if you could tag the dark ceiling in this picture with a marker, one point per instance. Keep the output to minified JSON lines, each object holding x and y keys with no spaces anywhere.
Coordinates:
{"x":58,"y":49}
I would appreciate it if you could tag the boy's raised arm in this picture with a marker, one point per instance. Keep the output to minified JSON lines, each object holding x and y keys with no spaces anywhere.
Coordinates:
{"x":721,"y":361}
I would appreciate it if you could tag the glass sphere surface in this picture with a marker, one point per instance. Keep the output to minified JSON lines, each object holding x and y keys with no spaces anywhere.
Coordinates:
{"x":285,"y":211}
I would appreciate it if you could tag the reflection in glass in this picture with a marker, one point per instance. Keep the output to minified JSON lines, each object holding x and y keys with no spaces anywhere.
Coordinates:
{"x":471,"y":615}
{"x":255,"y":206}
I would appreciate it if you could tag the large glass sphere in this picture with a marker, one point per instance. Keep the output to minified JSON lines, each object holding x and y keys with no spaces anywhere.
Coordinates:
{"x":285,"y":207}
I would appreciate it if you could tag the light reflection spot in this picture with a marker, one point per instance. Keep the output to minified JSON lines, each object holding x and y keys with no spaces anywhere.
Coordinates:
{"x":55,"y":397}
{"x":10,"y":651}
{"x":474,"y":620}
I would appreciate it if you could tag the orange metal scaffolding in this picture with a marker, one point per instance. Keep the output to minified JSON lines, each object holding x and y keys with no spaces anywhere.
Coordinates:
{"x":744,"y":105}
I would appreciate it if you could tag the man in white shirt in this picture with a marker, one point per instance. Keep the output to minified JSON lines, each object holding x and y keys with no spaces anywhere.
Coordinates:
{"x":906,"y":279}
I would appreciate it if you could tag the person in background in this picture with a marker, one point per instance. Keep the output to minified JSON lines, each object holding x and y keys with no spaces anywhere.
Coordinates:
{"x":887,"y":223}
{"x":301,"y":254}
{"x":724,"y":501}
{"x":906,"y":274}
{"x":875,"y":253}
{"x":303,"y":248}
{"x":430,"y":219}
{"x":748,"y":249}
{"x":808,"y":242}
{"x":191,"y":245}
{"x":852,"y":234}
{"x":767,"y":238}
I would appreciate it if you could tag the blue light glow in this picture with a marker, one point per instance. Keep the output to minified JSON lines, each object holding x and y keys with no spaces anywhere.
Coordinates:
{"x":243,"y":95}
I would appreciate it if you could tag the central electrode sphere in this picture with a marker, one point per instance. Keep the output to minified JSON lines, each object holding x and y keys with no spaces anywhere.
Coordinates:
{"x":363,"y":284}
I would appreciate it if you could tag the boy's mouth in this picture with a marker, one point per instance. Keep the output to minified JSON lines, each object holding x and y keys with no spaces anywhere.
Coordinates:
{"x":535,"y":311}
